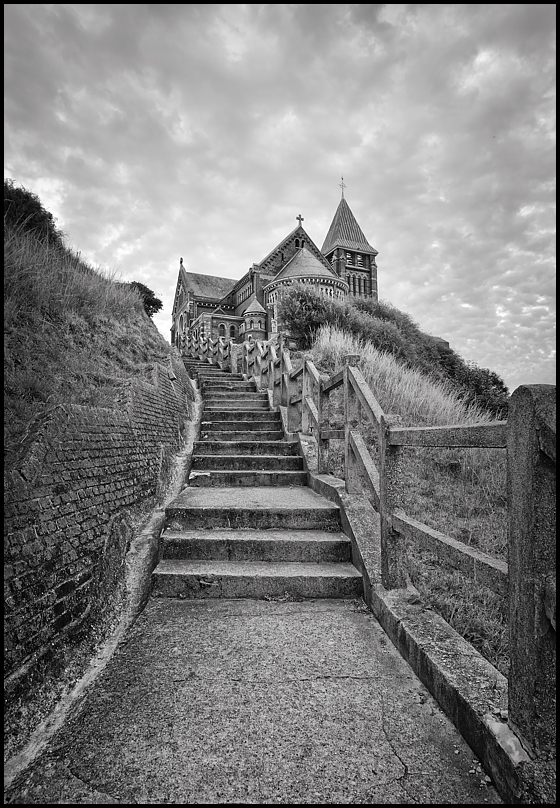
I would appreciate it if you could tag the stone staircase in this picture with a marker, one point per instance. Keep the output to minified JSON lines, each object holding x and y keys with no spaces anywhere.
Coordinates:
{"x":247,"y":525}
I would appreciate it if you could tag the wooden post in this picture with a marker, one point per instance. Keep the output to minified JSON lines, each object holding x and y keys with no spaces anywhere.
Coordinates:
{"x":285,"y":370}
{"x":351,"y":421}
{"x":531,"y":453}
{"x":393,"y":554}
{"x":306,"y":386}
{"x":323,"y":408}
{"x":235,"y":357}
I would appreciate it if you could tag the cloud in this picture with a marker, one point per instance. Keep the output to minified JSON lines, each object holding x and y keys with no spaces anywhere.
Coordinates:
{"x":159,"y":131}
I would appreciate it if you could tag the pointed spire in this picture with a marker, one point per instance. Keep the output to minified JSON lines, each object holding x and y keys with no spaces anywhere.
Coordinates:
{"x":346,"y":232}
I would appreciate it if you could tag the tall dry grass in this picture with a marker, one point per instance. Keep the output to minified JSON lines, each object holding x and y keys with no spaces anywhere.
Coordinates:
{"x":72,"y":334}
{"x":461,"y":492}
{"x":418,"y":400}
{"x":42,"y":281}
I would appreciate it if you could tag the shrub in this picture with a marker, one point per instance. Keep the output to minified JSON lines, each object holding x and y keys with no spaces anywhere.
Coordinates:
{"x":23,"y":210}
{"x":152,"y":304}
{"x":394,"y":332}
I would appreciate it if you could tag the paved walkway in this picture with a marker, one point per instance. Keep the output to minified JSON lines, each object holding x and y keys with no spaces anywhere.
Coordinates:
{"x":248,"y":701}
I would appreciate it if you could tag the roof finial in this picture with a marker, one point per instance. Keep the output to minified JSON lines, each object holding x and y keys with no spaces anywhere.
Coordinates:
{"x":343,"y":186}
{"x":300,"y":219}
{"x":181,"y":261}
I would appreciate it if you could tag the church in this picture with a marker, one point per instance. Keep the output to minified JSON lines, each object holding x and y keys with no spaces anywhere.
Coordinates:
{"x":211,"y":306}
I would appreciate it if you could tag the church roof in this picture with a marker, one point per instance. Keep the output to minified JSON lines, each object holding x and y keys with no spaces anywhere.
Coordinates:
{"x":254,"y":307}
{"x":209,"y":286}
{"x":303,"y":264}
{"x":346,"y":232}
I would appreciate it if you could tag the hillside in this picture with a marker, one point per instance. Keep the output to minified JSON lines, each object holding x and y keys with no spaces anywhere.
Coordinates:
{"x":72,"y":335}
{"x":394,"y":332}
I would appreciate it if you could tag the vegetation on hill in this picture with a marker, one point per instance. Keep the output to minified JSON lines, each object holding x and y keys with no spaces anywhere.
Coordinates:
{"x":72,"y":334}
{"x":24,"y":212}
{"x":394,"y":332}
{"x":460,"y":492}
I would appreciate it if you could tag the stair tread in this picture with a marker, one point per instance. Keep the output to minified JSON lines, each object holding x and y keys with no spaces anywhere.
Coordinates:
{"x":273,"y":569}
{"x":256,"y":498}
{"x":255,"y":534}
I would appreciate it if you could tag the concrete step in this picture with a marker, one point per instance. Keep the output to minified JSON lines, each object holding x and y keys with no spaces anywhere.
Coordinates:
{"x":236,"y":401}
{"x":204,"y":367}
{"x":246,"y":415}
{"x":245,"y":477}
{"x":175,"y":578}
{"x":221,"y":386}
{"x":232,"y":436}
{"x":233,"y":395}
{"x":256,"y":545}
{"x":215,"y":371}
{"x":254,"y":462}
{"x":236,"y":406}
{"x":244,"y":424}
{"x":268,"y":507}
{"x":245,"y":447}
{"x":217,"y":375}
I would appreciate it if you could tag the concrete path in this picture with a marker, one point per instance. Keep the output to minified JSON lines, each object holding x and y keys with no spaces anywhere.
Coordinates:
{"x":253,"y":701}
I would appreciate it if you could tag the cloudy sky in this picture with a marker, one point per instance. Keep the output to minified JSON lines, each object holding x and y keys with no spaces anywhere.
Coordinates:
{"x":155,"y":131}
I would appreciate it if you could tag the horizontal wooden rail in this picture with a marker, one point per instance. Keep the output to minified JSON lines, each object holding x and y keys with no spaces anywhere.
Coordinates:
{"x":489,"y":436}
{"x":472,"y":562}
{"x":333,"y":434}
{"x":335,"y":381}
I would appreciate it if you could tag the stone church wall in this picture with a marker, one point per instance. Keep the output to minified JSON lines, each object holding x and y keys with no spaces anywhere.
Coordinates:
{"x":69,"y":508}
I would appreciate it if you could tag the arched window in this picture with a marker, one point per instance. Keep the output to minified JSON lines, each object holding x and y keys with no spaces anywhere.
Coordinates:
{"x":259,"y":325}
{"x":232,"y":331}
{"x":252,"y":324}
{"x":303,"y":242}
{"x":181,"y":323}
{"x":297,"y":242}
{"x":221,"y":330}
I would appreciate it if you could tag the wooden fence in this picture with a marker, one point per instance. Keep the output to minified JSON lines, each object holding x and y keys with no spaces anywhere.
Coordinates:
{"x":528,"y":437}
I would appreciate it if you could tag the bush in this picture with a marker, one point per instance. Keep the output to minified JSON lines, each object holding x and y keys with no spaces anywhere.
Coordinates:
{"x":152,"y":304}
{"x":23,"y":211}
{"x":391,"y":331}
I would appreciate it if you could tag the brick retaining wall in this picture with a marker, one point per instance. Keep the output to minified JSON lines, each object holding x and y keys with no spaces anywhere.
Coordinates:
{"x":67,"y":514}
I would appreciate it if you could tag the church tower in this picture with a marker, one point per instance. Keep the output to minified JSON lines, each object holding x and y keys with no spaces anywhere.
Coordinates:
{"x":350,"y":254}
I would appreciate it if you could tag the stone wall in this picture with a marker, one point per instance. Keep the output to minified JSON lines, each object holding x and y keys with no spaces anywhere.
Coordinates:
{"x":68,"y":514}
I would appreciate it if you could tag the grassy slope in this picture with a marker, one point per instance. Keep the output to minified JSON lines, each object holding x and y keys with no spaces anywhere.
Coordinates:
{"x":461,"y":492}
{"x":72,"y":336}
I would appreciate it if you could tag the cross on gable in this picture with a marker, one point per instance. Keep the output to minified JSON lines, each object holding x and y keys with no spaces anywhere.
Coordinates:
{"x":343,"y":186}
{"x":300,"y":219}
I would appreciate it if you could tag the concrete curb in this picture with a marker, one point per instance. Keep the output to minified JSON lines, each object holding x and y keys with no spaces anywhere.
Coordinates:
{"x":471,"y":691}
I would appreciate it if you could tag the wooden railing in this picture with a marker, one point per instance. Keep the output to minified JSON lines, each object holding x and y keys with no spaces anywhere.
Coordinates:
{"x":214,"y":351}
{"x":529,"y":437}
